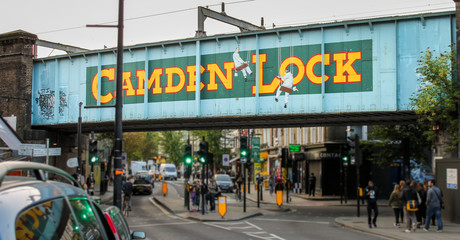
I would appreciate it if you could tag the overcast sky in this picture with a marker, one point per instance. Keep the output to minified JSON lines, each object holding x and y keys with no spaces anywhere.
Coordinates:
{"x":64,"y":21}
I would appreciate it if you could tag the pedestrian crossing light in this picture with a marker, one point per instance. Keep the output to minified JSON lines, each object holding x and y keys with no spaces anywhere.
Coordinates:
{"x":345,"y":158}
{"x":188,"y":159}
{"x":93,"y":158}
{"x":203,"y":152}
{"x":244,"y":150}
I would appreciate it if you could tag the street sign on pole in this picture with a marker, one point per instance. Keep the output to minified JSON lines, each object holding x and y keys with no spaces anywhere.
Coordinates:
{"x":225,"y":160}
{"x":244,"y":160}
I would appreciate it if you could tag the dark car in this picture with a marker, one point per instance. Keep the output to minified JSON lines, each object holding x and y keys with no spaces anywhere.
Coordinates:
{"x":142,"y":186}
{"x":38,"y":208}
{"x":118,"y":224}
{"x":224,"y":182}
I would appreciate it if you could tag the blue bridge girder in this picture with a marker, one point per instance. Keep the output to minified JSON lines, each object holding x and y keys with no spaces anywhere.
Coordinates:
{"x":343,"y":73}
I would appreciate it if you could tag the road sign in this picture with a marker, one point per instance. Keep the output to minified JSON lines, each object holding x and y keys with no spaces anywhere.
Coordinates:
{"x":294,"y":147}
{"x":41,"y":152}
{"x":165,"y":188}
{"x":222,"y":207}
{"x":225,"y":160}
{"x":244,"y":160}
{"x":72,"y":162}
{"x":279,"y":197}
{"x":28,"y":149}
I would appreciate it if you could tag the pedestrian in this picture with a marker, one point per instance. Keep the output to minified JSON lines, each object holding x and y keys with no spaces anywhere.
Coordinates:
{"x":434,"y":204}
{"x":212,"y":192}
{"x":433,"y":219}
{"x":410,"y":203}
{"x":90,"y":182}
{"x":271,"y":183}
{"x":421,"y":213}
{"x":402,"y":186}
{"x":196,"y":195}
{"x":311,"y":185}
{"x":371,"y":194}
{"x":288,"y":188}
{"x":395,"y":203}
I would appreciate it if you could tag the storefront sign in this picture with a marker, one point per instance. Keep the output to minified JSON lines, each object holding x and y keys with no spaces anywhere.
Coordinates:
{"x":452,"y":178}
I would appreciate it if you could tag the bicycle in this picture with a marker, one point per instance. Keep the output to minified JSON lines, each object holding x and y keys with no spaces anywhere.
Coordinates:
{"x":126,"y":208}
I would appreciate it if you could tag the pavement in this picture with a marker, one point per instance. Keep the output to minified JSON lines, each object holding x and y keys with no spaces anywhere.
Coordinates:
{"x":172,"y":203}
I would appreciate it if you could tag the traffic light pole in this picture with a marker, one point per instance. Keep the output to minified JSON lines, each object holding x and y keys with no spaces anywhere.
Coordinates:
{"x":358,"y":163}
{"x":119,"y":109}
{"x":244,"y":185}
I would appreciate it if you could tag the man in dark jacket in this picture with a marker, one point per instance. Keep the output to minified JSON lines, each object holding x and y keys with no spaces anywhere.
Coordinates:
{"x":433,"y":204}
{"x":371,"y":192}
{"x":409,"y":194}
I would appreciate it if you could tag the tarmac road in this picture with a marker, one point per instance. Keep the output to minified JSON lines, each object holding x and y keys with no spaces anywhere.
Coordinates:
{"x":299,"y":223}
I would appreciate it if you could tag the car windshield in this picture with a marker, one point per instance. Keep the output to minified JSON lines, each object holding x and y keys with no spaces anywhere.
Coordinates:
{"x":170,"y":169}
{"x":141,"y":181}
{"x":223,"y":178}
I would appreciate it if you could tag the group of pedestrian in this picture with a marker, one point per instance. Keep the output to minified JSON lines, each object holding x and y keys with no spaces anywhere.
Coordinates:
{"x":210,"y":191}
{"x":418,"y":203}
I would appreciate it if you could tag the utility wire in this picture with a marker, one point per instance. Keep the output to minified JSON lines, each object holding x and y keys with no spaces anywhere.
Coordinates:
{"x":146,"y":16}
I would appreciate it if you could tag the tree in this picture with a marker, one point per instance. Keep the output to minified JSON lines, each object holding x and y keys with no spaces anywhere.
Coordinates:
{"x":172,"y":143}
{"x":400,"y":142}
{"x":141,"y":145}
{"x":437,"y":99}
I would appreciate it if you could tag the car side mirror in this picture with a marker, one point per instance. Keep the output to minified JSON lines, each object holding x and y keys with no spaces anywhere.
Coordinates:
{"x":138,"y":235}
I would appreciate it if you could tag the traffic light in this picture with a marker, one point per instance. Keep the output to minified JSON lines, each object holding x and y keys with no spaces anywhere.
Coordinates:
{"x":244,"y":150}
{"x":345,"y":158}
{"x":93,"y":158}
{"x":354,"y":156}
{"x":188,"y":159}
{"x":203,"y":152}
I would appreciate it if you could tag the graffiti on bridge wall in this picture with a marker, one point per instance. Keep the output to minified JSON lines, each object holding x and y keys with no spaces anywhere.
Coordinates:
{"x":45,"y":101}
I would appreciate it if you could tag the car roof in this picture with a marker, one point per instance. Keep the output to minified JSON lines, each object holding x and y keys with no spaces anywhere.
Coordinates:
{"x":17,"y":195}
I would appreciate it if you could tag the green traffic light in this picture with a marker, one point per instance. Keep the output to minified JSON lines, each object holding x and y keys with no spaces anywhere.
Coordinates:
{"x":202,"y":159}
{"x":345,"y":158}
{"x":93,"y":159}
{"x":188,"y":160}
{"x":244,"y":153}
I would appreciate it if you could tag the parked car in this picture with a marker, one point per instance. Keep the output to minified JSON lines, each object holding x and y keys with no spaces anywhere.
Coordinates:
{"x":38,"y":208}
{"x":224,"y":182}
{"x":118,"y":224}
{"x":142,"y":186}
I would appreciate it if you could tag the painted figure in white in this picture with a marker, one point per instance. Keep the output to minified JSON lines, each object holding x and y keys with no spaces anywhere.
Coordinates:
{"x":239,"y":63}
{"x":286,"y":81}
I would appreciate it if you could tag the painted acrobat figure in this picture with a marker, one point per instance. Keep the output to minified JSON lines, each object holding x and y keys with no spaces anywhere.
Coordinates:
{"x":286,"y":86}
{"x":240,"y":65}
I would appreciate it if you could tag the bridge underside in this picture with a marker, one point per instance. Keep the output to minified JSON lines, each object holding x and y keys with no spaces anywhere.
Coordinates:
{"x":236,"y":122}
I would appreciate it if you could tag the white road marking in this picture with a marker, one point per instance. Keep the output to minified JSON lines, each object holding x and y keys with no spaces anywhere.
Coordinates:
{"x":288,"y":220}
{"x":163,"y":224}
{"x":233,"y":226}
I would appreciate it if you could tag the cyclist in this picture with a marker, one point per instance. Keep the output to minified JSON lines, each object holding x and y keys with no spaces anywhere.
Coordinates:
{"x":239,"y":181}
{"x":128,"y":191}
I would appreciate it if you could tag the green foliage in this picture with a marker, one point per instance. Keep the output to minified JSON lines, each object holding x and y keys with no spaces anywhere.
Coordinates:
{"x":172,"y":144}
{"x":436,"y":100}
{"x":140,"y":145}
{"x":387,"y":145}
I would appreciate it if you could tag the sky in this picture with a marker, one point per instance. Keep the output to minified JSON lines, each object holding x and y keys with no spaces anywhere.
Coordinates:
{"x":147,"y":21}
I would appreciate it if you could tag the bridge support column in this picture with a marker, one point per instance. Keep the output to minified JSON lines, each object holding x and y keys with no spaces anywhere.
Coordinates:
{"x":16,"y":61}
